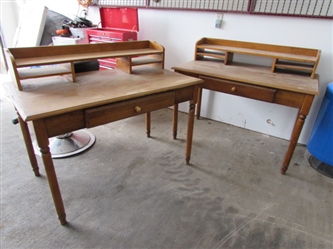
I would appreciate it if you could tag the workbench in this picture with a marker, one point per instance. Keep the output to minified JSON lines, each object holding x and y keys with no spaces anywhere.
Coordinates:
{"x":54,"y":105}
{"x":290,"y":80}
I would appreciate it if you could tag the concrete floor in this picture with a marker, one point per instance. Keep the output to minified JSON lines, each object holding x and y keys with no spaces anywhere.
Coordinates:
{"x":129,"y":191}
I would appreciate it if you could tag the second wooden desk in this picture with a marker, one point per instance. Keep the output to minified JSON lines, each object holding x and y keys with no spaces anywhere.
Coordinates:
{"x":257,"y":82}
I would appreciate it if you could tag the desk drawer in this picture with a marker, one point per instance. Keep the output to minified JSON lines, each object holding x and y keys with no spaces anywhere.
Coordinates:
{"x":64,"y":123}
{"x":239,"y":89}
{"x":128,"y":108}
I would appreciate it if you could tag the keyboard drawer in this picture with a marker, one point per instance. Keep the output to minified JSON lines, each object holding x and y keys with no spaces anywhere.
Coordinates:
{"x":128,"y":108}
{"x":239,"y":89}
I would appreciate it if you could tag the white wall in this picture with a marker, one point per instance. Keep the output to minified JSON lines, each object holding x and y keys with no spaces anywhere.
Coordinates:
{"x":8,"y":20}
{"x":178,"y":31}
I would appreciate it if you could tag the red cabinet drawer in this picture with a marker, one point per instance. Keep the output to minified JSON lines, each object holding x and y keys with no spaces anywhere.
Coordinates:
{"x":107,"y":63}
{"x":99,"y":39}
{"x":109,"y":35}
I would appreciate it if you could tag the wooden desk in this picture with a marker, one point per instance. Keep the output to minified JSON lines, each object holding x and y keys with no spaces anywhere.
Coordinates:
{"x":55,"y":107}
{"x":257,"y":82}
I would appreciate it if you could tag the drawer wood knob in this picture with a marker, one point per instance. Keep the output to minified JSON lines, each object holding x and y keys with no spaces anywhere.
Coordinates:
{"x":233,"y":89}
{"x":137,"y":109}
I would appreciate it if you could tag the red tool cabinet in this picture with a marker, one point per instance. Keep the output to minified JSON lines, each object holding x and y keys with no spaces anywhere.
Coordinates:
{"x":118,"y":24}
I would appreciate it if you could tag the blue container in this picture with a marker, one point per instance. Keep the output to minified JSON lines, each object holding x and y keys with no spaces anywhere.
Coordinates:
{"x":320,"y":143}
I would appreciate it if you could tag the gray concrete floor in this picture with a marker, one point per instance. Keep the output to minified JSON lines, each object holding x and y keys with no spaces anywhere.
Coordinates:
{"x":129,"y":191}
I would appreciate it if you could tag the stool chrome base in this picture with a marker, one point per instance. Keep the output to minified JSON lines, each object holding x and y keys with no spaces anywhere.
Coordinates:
{"x":69,"y":144}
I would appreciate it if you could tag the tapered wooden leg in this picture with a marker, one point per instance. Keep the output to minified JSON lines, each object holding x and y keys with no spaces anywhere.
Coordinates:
{"x":199,"y":102}
{"x":43,"y":143}
{"x":304,"y":110}
{"x":28,"y":145}
{"x":175,"y":121}
{"x":190,"y":124}
{"x":148,"y":121}
{"x":190,"y":127}
{"x":293,"y":142}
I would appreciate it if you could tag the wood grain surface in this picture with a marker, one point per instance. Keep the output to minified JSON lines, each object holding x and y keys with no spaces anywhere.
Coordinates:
{"x":252,"y":74}
{"x":44,"y":97}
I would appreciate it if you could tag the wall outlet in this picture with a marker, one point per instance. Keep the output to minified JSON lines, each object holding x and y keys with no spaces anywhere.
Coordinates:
{"x":219,"y":20}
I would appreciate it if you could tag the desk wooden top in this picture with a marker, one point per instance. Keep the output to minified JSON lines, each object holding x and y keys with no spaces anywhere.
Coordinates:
{"x":252,"y":74}
{"x":45,"y":97}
